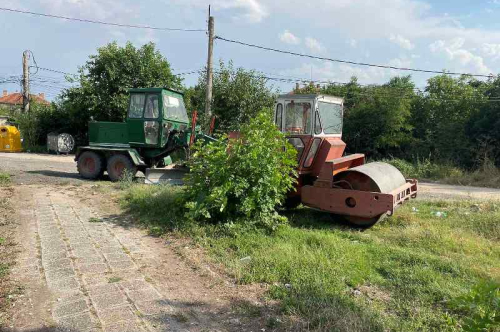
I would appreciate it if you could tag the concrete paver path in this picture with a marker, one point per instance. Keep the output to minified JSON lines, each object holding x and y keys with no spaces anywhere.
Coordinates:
{"x":91,"y":269}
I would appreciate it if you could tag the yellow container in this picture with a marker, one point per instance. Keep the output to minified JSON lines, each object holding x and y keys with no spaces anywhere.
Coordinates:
{"x":10,"y":139}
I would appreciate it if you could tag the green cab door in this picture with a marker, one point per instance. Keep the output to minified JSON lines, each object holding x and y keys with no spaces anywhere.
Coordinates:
{"x":143,"y":119}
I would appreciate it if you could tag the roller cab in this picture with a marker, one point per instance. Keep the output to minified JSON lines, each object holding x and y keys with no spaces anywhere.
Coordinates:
{"x":328,"y":180}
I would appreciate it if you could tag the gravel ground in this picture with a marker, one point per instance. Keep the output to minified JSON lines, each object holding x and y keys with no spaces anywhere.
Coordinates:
{"x":52,"y":169}
{"x":30,"y":168}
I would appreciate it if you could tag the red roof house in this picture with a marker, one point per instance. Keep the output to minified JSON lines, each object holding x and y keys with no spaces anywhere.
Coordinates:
{"x":16,"y":99}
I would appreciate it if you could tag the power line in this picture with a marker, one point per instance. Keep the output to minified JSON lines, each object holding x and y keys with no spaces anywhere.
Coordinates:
{"x":348,"y":61}
{"x":100,"y":22}
{"x":56,"y":71}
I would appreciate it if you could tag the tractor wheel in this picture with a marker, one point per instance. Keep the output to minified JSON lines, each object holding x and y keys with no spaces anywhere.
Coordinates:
{"x":90,"y":165}
{"x":118,"y":164}
{"x":358,"y":222}
{"x":292,"y":202}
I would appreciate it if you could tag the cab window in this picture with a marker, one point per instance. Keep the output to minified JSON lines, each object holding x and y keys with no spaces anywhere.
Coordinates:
{"x":174,"y":109}
{"x":279,"y":116}
{"x":331,"y":117}
{"x":136,"y":105}
{"x":152,"y":110}
{"x":298,"y":118}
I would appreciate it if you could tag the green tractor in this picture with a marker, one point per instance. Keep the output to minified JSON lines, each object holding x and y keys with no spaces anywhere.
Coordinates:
{"x":156,"y":126}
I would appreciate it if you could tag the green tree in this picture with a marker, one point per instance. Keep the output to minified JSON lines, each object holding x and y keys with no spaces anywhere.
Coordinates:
{"x":238,"y":95}
{"x":441,"y":116}
{"x":107,"y":76}
{"x":483,"y":128}
{"x":244,"y":179}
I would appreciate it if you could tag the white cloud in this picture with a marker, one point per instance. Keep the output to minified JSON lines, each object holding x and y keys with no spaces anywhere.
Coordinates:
{"x":491,"y":50}
{"x":401,"y":41}
{"x":334,"y":72}
{"x":96,"y":9}
{"x":249,"y":11}
{"x":313,"y":45}
{"x":454,"y":50}
{"x":352,"y":42}
{"x":289,"y":38}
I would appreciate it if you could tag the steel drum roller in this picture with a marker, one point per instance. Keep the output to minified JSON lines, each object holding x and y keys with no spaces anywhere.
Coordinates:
{"x":374,"y":177}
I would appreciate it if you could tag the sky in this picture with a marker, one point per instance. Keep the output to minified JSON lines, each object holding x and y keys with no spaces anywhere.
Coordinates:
{"x":459,"y":36}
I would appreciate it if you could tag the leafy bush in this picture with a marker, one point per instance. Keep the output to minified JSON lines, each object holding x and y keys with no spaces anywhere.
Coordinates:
{"x":425,"y":169}
{"x":480,"y":308}
{"x":245,"y":180}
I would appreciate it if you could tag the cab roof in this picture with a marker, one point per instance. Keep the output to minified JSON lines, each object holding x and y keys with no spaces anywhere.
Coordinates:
{"x":153,"y":90}
{"x":327,"y":98}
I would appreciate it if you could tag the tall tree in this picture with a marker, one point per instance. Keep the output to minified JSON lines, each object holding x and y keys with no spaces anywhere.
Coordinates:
{"x":107,"y":76}
{"x":238,"y":95}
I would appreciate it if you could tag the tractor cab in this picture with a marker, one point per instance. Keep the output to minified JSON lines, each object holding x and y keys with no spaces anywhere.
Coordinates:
{"x":307,"y":120}
{"x":153,"y":113}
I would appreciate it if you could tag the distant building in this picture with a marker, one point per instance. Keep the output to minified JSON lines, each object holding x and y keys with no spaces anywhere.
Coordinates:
{"x":15,"y":100}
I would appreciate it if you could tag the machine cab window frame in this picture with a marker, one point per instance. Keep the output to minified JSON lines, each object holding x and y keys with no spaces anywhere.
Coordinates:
{"x":298,"y":121}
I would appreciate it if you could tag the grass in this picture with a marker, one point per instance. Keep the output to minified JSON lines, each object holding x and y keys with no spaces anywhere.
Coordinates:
{"x":4,"y":179}
{"x":488,"y":175}
{"x":7,"y":248}
{"x":400,"y":275}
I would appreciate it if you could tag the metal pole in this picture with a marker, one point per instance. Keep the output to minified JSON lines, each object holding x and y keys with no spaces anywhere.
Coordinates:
{"x":208,"y":102}
{"x":26,"y":82}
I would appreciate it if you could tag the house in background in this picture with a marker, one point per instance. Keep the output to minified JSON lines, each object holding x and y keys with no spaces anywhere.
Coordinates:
{"x":15,"y":100}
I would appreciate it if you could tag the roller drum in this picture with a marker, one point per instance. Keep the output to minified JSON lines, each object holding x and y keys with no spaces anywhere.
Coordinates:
{"x":373,"y":177}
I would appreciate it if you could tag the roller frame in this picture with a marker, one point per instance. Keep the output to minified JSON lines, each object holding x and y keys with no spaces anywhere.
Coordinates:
{"x":368,"y":204}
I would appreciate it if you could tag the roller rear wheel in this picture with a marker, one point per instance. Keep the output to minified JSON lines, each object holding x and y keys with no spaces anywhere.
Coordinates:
{"x":359,"y":222}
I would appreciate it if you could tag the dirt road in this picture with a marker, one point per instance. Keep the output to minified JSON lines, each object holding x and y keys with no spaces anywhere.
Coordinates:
{"x":83,"y":265}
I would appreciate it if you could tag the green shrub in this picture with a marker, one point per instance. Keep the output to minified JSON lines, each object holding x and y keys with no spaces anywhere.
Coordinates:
{"x":245,"y":181}
{"x":4,"y":179}
{"x":425,"y":169}
{"x":480,"y":308}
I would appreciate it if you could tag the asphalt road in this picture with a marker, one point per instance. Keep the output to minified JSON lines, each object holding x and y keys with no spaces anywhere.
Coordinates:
{"x":27,"y":168}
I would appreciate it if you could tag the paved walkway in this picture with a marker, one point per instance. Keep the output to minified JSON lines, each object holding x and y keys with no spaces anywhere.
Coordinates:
{"x":91,"y":268}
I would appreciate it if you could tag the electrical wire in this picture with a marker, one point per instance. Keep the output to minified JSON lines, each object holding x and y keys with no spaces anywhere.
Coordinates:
{"x":100,"y":22}
{"x":348,"y":61}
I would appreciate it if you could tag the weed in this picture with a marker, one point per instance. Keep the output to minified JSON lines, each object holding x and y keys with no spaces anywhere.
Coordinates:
{"x":181,"y":317}
{"x":2,"y":240}
{"x":95,"y":220}
{"x":4,"y":269}
{"x":114,"y":279}
{"x":126,"y":180}
{"x":4,"y":179}
{"x":480,"y":308}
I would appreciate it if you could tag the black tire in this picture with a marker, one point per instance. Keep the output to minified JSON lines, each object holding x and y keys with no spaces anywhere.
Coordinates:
{"x":90,"y":165}
{"x":292,"y":202}
{"x":359,"y":222}
{"x":117,"y":164}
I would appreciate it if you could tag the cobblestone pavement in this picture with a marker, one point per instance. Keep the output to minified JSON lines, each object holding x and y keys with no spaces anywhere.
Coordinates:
{"x":90,"y":268}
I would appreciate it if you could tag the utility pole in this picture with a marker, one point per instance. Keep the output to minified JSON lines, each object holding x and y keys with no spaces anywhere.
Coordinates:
{"x":208,"y":102}
{"x":26,"y":82}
